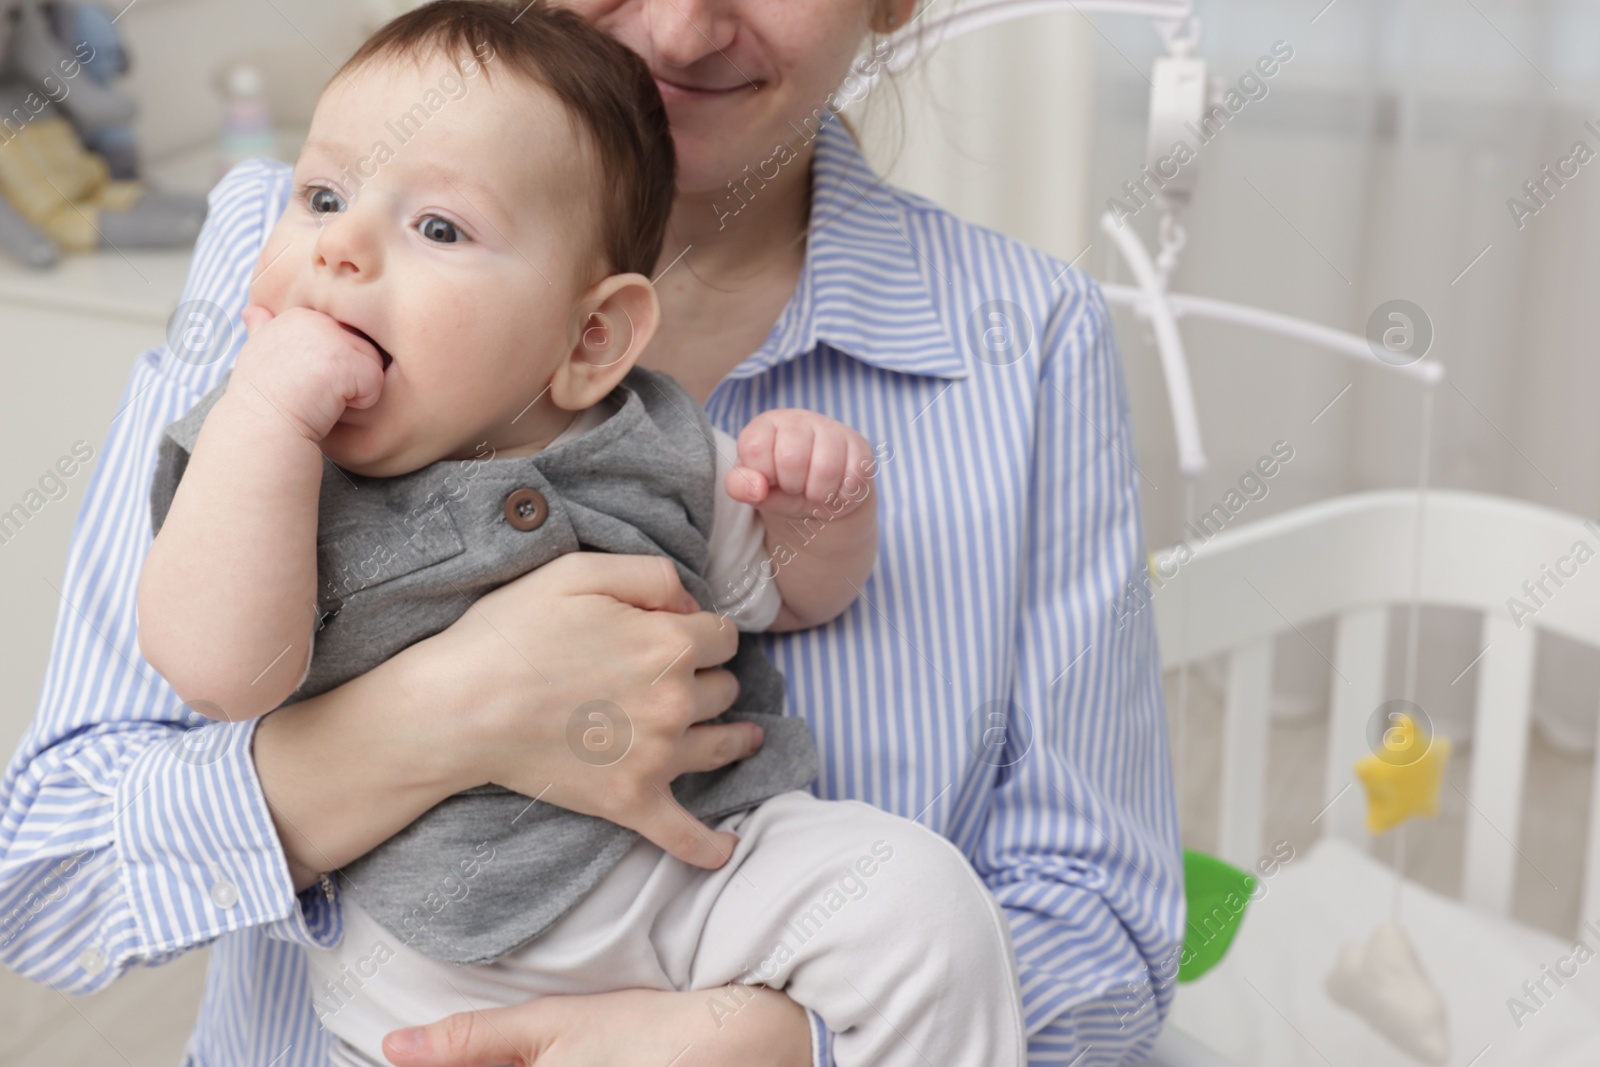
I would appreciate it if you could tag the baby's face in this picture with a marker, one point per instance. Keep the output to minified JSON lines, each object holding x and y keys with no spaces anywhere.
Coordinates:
{"x":447,"y":218}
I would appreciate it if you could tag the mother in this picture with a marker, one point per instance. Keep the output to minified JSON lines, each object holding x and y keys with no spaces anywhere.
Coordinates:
{"x":983,"y":683}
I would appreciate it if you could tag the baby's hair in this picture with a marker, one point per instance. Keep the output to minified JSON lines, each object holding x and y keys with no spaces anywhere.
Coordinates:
{"x":602,"y":84}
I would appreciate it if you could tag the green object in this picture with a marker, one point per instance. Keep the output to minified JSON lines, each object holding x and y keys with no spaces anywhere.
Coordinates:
{"x":1218,"y":894}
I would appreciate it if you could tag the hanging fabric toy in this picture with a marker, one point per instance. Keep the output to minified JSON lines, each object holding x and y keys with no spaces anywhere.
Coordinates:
{"x":1404,"y":778}
{"x":1382,"y":980}
{"x":1217,"y":894}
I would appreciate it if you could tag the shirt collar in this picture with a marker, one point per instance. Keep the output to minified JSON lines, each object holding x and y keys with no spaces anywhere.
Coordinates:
{"x":864,"y":287}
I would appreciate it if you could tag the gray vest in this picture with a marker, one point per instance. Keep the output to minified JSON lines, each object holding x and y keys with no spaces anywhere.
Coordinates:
{"x":399,"y":559}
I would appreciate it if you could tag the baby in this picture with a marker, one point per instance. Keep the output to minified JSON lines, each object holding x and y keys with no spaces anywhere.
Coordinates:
{"x":438,"y":393}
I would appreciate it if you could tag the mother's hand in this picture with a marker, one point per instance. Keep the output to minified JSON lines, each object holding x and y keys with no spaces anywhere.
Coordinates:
{"x":491,"y":699}
{"x":515,"y":668}
{"x":732,"y":1026}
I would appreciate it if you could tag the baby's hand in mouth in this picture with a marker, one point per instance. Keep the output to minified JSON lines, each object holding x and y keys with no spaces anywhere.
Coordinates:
{"x":383,"y":353}
{"x":310,"y":367}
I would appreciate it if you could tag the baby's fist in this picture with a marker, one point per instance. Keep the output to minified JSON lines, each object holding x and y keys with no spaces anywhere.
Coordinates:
{"x":793,"y":461}
{"x":304,"y":366}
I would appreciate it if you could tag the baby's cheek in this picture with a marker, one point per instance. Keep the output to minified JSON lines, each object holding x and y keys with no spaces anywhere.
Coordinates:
{"x":274,"y":273}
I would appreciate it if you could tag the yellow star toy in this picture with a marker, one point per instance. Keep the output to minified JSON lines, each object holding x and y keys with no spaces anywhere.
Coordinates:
{"x":1403,"y":779}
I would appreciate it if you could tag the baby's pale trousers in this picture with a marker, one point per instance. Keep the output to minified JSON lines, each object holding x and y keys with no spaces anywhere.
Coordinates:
{"x":873,"y":921}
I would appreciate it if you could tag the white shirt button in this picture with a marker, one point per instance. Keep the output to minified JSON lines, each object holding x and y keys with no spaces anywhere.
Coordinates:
{"x":224,"y":894}
{"x":92,"y":960}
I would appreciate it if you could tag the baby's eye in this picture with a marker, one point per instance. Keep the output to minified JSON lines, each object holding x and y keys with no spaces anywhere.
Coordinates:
{"x":442,"y":231}
{"x":323,"y":201}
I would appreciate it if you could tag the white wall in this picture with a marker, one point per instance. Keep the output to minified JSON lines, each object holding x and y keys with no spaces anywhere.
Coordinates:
{"x":181,"y":47}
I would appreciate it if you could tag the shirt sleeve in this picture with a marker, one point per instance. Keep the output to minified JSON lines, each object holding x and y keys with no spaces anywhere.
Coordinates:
{"x":821,"y":1040}
{"x":1081,"y":844}
{"x":742,"y":584}
{"x":132,"y":830}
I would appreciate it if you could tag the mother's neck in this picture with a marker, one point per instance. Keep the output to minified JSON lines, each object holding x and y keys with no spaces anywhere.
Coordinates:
{"x":723,"y":281}
{"x":731,"y":233}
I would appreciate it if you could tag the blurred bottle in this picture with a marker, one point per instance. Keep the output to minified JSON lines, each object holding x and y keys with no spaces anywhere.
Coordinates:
{"x":247,"y":127}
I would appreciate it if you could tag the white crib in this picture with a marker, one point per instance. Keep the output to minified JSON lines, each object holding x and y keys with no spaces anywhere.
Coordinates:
{"x":1352,"y":558}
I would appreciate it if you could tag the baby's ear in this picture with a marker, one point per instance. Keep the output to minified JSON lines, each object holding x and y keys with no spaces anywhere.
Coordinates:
{"x":612,"y":323}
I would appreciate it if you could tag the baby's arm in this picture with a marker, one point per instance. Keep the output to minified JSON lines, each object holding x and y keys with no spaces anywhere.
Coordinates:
{"x":809,"y":478}
{"x":228,"y":590}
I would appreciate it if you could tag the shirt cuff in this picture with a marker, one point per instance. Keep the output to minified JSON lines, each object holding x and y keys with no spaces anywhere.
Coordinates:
{"x":821,"y":1041}
{"x":200,"y":854}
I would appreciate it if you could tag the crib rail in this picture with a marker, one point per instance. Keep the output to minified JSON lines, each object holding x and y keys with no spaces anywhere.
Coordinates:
{"x":1352,"y":559}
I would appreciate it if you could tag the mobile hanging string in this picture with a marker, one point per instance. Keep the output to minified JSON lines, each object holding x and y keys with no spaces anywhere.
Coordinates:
{"x":1414,"y":623}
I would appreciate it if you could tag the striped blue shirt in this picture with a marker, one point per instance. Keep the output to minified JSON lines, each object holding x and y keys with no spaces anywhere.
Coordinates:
{"x":983,"y":683}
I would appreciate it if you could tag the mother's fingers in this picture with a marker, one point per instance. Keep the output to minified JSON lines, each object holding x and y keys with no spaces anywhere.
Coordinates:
{"x":709,"y":748}
{"x":649,"y":582}
{"x":486,"y":1038}
{"x":715,"y":690}
{"x":708,"y":640}
{"x":670,"y":827}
